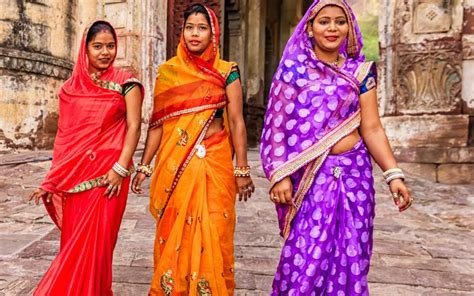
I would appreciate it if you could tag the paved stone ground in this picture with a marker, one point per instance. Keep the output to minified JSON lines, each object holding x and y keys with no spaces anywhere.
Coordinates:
{"x":426,"y":251}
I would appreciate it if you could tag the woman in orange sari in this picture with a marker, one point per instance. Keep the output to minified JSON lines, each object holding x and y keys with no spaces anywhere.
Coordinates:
{"x":196,"y":126}
{"x":86,"y":188}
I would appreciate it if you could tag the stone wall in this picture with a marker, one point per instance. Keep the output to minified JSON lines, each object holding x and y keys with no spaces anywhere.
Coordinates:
{"x":35,"y":57}
{"x":426,"y":116}
{"x":39,"y":41}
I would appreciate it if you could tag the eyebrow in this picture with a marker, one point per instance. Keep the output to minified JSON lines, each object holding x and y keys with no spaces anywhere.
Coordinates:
{"x":337,"y":17}
{"x":203,"y":24}
{"x":100,"y":43}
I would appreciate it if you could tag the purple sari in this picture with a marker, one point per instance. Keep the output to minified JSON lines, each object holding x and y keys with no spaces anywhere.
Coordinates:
{"x":312,"y":105}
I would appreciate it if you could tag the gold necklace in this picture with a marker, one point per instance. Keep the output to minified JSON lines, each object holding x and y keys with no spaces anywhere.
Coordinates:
{"x":335,"y":63}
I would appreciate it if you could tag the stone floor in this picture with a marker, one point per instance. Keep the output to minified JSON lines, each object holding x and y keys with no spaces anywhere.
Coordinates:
{"x":425,"y":251}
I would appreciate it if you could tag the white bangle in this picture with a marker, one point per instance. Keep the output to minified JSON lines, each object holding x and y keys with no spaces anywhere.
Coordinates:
{"x":119,"y":169}
{"x":394,"y":176}
{"x":391,"y":171}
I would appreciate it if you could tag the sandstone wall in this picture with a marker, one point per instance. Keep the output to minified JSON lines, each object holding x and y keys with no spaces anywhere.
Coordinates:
{"x":38,"y":46}
{"x":426,"y":113}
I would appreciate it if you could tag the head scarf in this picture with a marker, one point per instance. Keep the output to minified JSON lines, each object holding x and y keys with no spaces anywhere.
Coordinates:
{"x":309,"y":100}
{"x":189,"y":83}
{"x":91,"y":129}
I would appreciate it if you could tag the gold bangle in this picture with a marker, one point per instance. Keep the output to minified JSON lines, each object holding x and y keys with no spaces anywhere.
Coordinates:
{"x":144,"y":169}
{"x":242,"y":171}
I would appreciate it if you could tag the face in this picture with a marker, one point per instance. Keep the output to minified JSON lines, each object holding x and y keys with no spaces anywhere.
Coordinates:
{"x":101,"y":51}
{"x":330,"y":28}
{"x":197,"y":33}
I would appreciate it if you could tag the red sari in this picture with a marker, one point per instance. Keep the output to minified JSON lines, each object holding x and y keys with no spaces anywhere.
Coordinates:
{"x":91,"y":134}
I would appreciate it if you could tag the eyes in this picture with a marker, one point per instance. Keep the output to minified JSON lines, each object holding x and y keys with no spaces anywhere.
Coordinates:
{"x":201,"y":28}
{"x":99,"y":46}
{"x":326,"y":22}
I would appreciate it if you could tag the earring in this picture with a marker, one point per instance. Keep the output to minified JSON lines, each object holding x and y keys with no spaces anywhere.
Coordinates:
{"x":310,"y":34}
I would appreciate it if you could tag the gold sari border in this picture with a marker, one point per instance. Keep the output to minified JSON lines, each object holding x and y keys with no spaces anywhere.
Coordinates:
{"x":363,"y":70}
{"x":316,"y":150}
{"x":308,"y":178}
{"x":94,"y":183}
{"x":186,"y":162}
{"x":160,"y":121}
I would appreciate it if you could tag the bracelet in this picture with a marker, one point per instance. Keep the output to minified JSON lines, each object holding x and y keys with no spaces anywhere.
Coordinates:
{"x":119,"y":169}
{"x":393,"y":174}
{"x":391,"y":171}
{"x":242,"y":171}
{"x":144,"y":169}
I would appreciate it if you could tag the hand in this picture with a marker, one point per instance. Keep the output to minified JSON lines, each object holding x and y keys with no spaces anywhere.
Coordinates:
{"x":137,"y":182}
{"x":401,"y":195}
{"x":245,"y":187}
{"x":113,"y":181}
{"x":282,"y":192}
{"x":38,"y":194}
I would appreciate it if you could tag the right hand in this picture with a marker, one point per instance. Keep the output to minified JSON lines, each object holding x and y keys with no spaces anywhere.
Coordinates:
{"x":282,"y":192}
{"x":137,"y":183}
{"x":38,"y":194}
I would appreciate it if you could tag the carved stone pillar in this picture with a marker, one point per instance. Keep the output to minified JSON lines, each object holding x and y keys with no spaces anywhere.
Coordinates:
{"x":421,"y":80}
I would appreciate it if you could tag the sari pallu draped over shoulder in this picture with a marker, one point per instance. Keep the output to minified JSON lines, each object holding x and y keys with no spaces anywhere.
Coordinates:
{"x":91,"y":133}
{"x":193,"y":177}
{"x":312,"y":105}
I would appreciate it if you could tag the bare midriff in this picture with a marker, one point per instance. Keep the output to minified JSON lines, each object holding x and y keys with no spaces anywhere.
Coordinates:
{"x":215,"y":127}
{"x":346,"y":143}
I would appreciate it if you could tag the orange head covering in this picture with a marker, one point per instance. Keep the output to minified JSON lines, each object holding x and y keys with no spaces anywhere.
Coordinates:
{"x":189,"y":83}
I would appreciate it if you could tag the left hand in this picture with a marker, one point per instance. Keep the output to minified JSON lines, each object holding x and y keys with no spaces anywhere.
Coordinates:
{"x":245,"y":187}
{"x":113,"y":181}
{"x":400,"y":194}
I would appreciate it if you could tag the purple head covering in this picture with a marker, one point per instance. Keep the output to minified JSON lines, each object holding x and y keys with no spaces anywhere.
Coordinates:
{"x":310,"y":101}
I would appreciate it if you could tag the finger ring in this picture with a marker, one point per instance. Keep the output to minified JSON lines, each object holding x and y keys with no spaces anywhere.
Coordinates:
{"x":110,"y":187}
{"x":395,"y":195}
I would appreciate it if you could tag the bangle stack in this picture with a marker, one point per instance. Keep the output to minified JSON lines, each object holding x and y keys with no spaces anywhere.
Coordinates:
{"x":242,"y":171}
{"x":393,"y":174}
{"x":119,"y":169}
{"x":144,"y":169}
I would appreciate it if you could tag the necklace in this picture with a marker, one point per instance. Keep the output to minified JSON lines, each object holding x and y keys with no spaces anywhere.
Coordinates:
{"x":335,"y":63}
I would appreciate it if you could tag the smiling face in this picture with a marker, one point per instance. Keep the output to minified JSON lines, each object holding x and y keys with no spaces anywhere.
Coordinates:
{"x":101,"y":51}
{"x":330,"y":28}
{"x":197,"y":33}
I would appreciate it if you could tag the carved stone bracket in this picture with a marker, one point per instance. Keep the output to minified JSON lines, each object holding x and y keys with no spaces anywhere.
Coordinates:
{"x":428,"y":77}
{"x":35,"y":63}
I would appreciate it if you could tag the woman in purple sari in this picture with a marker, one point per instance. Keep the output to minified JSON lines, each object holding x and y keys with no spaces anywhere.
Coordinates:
{"x":321,"y":128}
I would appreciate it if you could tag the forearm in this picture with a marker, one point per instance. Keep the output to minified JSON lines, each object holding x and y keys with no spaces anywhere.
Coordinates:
{"x":239,"y":141}
{"x":130,"y":145}
{"x":379,"y":148}
{"x":153,"y":141}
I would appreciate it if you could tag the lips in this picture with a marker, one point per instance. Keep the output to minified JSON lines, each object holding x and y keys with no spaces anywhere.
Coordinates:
{"x":332,"y":38}
{"x":105,"y":61}
{"x":194,"y":42}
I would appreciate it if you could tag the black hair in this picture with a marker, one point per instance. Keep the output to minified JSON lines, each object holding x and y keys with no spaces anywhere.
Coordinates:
{"x":98,"y":27}
{"x":195,"y":9}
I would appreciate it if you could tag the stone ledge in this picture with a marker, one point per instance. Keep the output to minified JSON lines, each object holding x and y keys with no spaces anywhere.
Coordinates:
{"x":427,"y":130}
{"x":29,"y":62}
{"x":456,"y":173}
{"x":434,"y":155}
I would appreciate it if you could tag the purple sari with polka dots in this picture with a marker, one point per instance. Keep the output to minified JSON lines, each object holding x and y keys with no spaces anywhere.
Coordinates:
{"x":312,"y":105}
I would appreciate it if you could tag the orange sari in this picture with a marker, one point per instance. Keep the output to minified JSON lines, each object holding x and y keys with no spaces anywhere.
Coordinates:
{"x":192,"y":193}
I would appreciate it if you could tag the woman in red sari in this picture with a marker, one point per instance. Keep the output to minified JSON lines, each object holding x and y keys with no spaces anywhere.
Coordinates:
{"x":86,"y":188}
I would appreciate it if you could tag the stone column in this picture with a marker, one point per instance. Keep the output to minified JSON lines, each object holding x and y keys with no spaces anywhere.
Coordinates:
{"x":255,"y":72}
{"x":36,"y":42}
{"x":421,"y":81}
{"x":153,"y":49}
